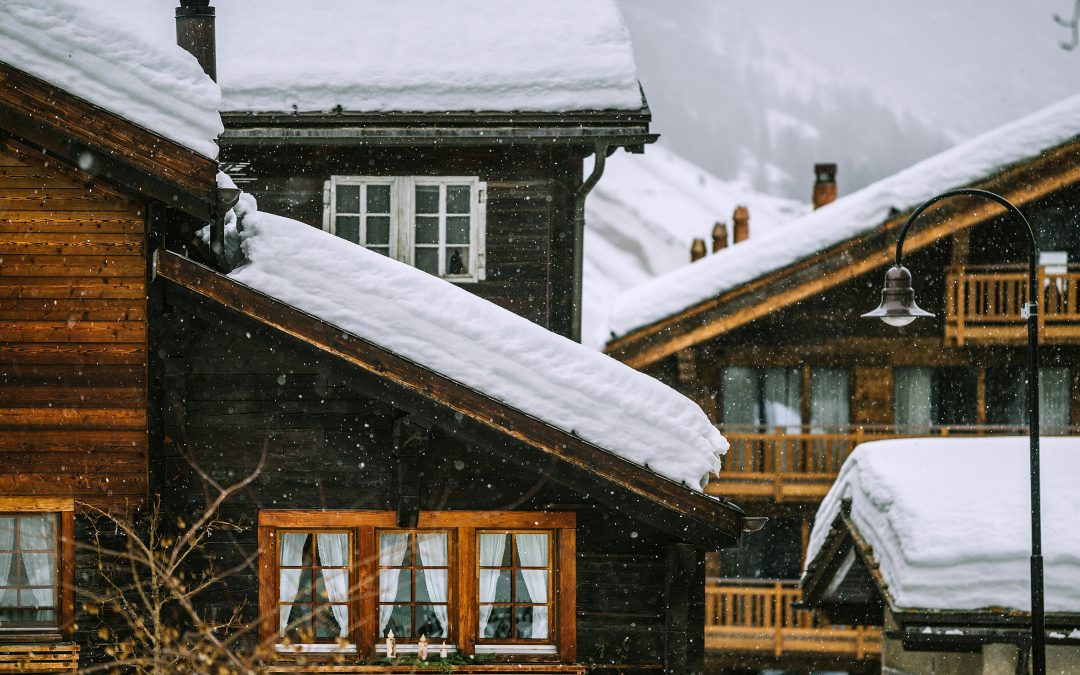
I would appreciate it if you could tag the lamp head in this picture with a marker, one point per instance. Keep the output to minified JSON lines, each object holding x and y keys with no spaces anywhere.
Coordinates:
{"x":897,"y":306}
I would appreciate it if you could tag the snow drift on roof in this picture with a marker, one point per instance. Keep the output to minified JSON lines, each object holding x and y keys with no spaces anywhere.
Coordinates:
{"x":157,"y":86}
{"x":846,"y":218}
{"x":642,"y":217}
{"x":480,"y":345}
{"x":949,"y":520}
{"x":416,"y":55}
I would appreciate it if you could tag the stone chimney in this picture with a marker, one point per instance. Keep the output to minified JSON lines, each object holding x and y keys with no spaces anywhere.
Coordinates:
{"x":741,"y":219}
{"x":719,"y":237}
{"x":195,"y":33}
{"x":824,"y":184}
{"x":697,"y":250}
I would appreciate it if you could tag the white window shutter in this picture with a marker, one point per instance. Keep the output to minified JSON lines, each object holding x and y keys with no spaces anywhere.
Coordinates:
{"x":326,"y":215}
{"x":481,"y":230}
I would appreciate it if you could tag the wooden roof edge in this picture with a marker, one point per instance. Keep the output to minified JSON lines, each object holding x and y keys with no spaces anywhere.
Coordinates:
{"x":659,"y":339}
{"x":641,"y":115}
{"x":123,"y":165}
{"x":843,"y":536}
{"x":701,"y":509}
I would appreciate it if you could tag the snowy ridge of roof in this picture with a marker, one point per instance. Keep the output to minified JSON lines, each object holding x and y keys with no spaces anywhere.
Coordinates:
{"x":847,"y":217}
{"x":642,"y":217}
{"x":158,"y":86}
{"x":480,"y":345}
{"x":949,"y":520}
{"x":416,"y":55}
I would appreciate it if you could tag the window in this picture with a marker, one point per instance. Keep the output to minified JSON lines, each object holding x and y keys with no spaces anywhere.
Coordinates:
{"x":314,"y":585}
{"x":928,"y":397}
{"x":483,"y":582}
{"x":1007,"y":397}
{"x":36,"y":542}
{"x":434,"y":224}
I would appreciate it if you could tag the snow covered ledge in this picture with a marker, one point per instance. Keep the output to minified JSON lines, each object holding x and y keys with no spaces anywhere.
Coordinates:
{"x":475,"y":343}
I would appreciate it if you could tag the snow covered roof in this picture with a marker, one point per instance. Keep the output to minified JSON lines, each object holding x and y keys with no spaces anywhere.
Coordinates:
{"x":416,"y":55}
{"x":156,"y":85}
{"x":642,"y":217}
{"x":948,"y":520}
{"x":848,"y":217}
{"x":477,"y":344}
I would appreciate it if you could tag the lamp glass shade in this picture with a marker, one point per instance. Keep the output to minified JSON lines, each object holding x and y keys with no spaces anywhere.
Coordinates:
{"x":897,"y":306}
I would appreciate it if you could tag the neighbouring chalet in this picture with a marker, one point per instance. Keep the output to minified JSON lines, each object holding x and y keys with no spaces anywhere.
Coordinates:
{"x":449,"y":136}
{"x":930,"y":538}
{"x":413,"y":458}
{"x":766,"y":336}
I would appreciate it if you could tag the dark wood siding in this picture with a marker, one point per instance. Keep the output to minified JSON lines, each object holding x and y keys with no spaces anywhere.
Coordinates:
{"x":73,"y":331}
{"x":529,"y":208}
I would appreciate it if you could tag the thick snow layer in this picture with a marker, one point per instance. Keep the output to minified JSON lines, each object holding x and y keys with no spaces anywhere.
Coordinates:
{"x":642,"y":217}
{"x":156,"y":85}
{"x":847,"y":217}
{"x":416,"y":55}
{"x":479,"y":345}
{"x":949,"y":519}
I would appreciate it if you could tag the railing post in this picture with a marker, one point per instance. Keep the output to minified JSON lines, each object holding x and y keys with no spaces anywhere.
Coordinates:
{"x":778,"y":627}
{"x":961,"y":306}
{"x":780,"y":460}
{"x":1043,"y":304}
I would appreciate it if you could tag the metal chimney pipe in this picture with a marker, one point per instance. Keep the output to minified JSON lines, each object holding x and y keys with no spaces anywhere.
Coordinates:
{"x":195,"y":33}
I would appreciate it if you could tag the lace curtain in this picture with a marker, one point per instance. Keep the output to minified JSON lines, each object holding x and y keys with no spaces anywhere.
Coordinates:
{"x":533,"y":551}
{"x":292,"y":554}
{"x":392,"y":551}
{"x":492,"y":548}
{"x":433,"y":553}
{"x":334,"y":551}
{"x":913,"y":390}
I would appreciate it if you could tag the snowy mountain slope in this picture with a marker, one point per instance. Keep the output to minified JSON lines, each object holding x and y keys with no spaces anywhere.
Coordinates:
{"x":642,"y":217}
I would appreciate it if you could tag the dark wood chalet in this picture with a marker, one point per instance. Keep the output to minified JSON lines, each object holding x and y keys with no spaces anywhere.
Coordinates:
{"x":795,"y":379}
{"x":382,"y":496}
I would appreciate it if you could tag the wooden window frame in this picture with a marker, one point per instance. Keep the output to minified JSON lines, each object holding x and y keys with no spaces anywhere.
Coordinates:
{"x":451,"y":566}
{"x":403,"y":217}
{"x":349,"y":566}
{"x":64,"y":509}
{"x":551,"y":603}
{"x":463,"y":592}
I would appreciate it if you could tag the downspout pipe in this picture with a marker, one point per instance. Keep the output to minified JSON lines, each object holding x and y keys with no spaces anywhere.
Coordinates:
{"x":224,"y":199}
{"x":601,"y":152}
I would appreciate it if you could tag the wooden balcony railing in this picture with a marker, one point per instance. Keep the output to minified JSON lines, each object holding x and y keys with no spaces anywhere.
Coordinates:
{"x":761,"y":618}
{"x":799,"y":464}
{"x":984,"y":304}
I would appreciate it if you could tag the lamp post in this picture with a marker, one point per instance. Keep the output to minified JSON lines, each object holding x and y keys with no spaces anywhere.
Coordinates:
{"x":898,"y":308}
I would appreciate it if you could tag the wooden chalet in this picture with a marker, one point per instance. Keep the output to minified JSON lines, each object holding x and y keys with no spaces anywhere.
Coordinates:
{"x":386,"y":495}
{"x":795,"y":379}
{"x":962,"y":614}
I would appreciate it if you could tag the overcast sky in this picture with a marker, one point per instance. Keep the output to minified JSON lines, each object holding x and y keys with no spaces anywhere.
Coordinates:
{"x":761,"y":89}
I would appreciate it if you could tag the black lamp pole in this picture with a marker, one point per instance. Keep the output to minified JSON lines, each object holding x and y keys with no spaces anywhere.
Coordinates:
{"x":898,"y":308}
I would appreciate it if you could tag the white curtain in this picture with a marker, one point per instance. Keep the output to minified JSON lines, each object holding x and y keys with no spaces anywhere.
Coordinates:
{"x":433,"y":553}
{"x":740,"y":408}
{"x":392,"y":551}
{"x":781,"y":399}
{"x":492,"y":547}
{"x":913,"y":390}
{"x":334,"y":551}
{"x":292,"y":554}
{"x":533,"y":551}
{"x":1054,"y":397}
{"x":37,"y":532}
{"x":7,"y":558}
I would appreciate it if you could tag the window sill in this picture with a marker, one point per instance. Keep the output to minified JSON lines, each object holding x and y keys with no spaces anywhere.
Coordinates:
{"x":316,"y":648}
{"x":512,"y":649}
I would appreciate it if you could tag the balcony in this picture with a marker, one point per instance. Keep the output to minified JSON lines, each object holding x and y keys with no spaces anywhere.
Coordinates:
{"x":984,"y":304}
{"x":799,"y":464}
{"x":758,"y":624}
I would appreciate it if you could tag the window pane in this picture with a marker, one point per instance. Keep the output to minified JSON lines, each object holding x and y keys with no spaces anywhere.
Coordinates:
{"x":378,"y":199}
{"x":531,"y":623}
{"x":740,"y":393}
{"x":457,"y":230}
{"x":531,"y":549}
{"x":394,"y":550}
{"x":381,"y":250}
{"x":829,"y":399}
{"x":296,"y":622}
{"x":498,"y":622}
{"x":327,"y":621}
{"x":378,"y":230}
{"x":427,"y":198}
{"x":404,"y":585}
{"x":531,"y":585}
{"x":427,"y":230}
{"x":427,"y":259}
{"x":432,"y":549}
{"x":348,"y":199}
{"x":348,"y":228}
{"x":781,"y":393}
{"x":457,"y":261}
{"x":502,"y":586}
{"x":427,"y":622}
{"x":913,"y":392}
{"x":495,"y":550}
{"x":36,"y":533}
{"x":457,"y":198}
{"x":400,"y":621}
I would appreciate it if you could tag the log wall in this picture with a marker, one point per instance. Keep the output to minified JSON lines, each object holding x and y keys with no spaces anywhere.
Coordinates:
{"x":73,"y":329}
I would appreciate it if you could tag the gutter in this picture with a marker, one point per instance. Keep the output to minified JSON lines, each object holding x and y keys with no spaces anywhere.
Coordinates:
{"x":601,"y":150}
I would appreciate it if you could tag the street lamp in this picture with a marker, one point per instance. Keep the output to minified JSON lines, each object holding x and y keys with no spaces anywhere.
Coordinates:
{"x":898,"y":308}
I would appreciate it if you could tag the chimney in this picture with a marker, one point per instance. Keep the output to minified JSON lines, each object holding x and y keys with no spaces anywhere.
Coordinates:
{"x":824,"y":184}
{"x":697,"y":250}
{"x":195,"y":33}
{"x":741,"y":218}
{"x":719,"y":236}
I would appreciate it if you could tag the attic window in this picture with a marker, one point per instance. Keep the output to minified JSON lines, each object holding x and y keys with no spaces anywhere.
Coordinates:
{"x":434,"y":224}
